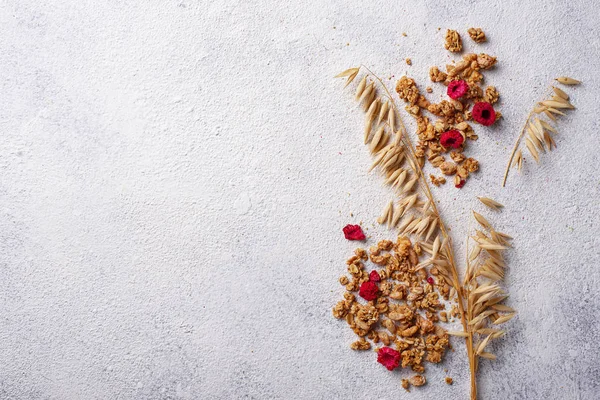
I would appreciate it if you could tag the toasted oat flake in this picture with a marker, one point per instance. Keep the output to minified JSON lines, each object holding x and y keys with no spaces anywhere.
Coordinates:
{"x":453,"y":41}
{"x":477,"y":35}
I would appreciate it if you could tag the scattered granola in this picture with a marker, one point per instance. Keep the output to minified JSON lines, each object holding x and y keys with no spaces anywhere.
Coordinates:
{"x":477,"y":35}
{"x":408,"y":61}
{"x":449,"y":380}
{"x":437,"y":181}
{"x":453,"y":41}
{"x":452,"y":126}
{"x":401,"y":308}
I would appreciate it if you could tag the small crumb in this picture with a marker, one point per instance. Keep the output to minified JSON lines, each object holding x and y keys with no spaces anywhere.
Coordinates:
{"x":453,"y":42}
{"x":477,"y":35}
{"x":449,"y":380}
{"x":409,"y":61}
{"x":428,"y":89}
{"x":405,"y":384}
{"x":404,"y":34}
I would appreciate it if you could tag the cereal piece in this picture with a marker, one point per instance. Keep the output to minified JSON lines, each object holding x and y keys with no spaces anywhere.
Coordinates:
{"x":449,"y":380}
{"x":428,"y":89}
{"x":361,"y":344}
{"x":453,"y":41}
{"x":344,"y":280}
{"x":418,"y":380}
{"x":471,"y":164}
{"x":491,"y":95}
{"x":485,"y":61}
{"x":361,"y":253}
{"x":477,"y":35}
{"x":443,"y":316}
{"x":406,"y":384}
{"x":448,"y":168}
{"x":437,"y":181}
{"x":457,"y":157}
{"x":436,"y":75}
{"x":408,"y":61}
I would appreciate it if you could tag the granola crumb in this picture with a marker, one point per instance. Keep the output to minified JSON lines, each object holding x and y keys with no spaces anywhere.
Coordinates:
{"x":453,"y":41}
{"x":449,"y":380}
{"x":404,"y":34}
{"x":437,"y":181}
{"x":428,"y":89}
{"x":477,"y":35}
{"x":406,"y":384}
{"x":418,"y":380}
{"x":408,"y":61}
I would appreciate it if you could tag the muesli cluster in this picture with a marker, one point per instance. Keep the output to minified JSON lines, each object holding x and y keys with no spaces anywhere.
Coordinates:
{"x":396,"y":307}
{"x":442,"y":139}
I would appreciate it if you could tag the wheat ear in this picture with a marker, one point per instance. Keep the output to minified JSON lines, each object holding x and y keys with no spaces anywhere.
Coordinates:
{"x":539,"y":130}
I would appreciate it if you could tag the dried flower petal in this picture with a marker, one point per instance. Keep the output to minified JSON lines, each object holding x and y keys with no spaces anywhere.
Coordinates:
{"x":457,"y":89}
{"x":451,"y":139}
{"x":388,"y":357}
{"x":484,"y":113}
{"x":374,"y":276}
{"x":353,"y":232}
{"x":368,"y":290}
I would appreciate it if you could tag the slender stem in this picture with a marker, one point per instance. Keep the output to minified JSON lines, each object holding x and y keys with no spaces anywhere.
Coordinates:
{"x":470,"y":350}
{"x":514,"y":150}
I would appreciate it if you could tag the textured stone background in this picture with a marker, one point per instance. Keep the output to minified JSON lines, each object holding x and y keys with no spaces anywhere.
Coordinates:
{"x":174,"y":177}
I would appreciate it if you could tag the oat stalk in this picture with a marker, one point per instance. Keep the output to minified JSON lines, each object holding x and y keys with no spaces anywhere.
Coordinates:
{"x":482,"y":289}
{"x":422,"y":180}
{"x":539,"y":130}
{"x":390,"y":148}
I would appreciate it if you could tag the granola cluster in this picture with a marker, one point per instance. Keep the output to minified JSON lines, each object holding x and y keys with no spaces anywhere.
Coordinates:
{"x":443,"y":136}
{"x":406,"y":312}
{"x":477,"y":35}
{"x":453,"y":41}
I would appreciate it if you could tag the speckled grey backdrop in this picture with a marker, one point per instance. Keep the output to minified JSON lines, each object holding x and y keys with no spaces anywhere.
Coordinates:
{"x":174,"y":176}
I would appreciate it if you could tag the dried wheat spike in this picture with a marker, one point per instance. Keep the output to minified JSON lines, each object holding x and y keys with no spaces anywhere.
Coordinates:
{"x":484,"y":293}
{"x":538,"y":133}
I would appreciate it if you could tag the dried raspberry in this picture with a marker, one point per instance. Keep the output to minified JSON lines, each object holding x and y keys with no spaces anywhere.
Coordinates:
{"x":368,"y":291}
{"x":353,"y":232}
{"x":388,"y":357}
{"x":452,"y":139}
{"x":457,"y":89}
{"x":484,"y":113}
{"x":461,"y":184}
{"x":374,"y":276}
{"x":430,"y":281}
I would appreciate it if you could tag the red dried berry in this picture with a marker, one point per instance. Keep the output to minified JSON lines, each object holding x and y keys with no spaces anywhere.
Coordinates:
{"x":368,"y":290}
{"x":430,"y":281}
{"x":353,"y":232}
{"x":388,"y":357}
{"x":484,"y":113}
{"x":457,"y":89}
{"x":374,"y":276}
{"x":460,"y":184}
{"x":452,"y":139}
